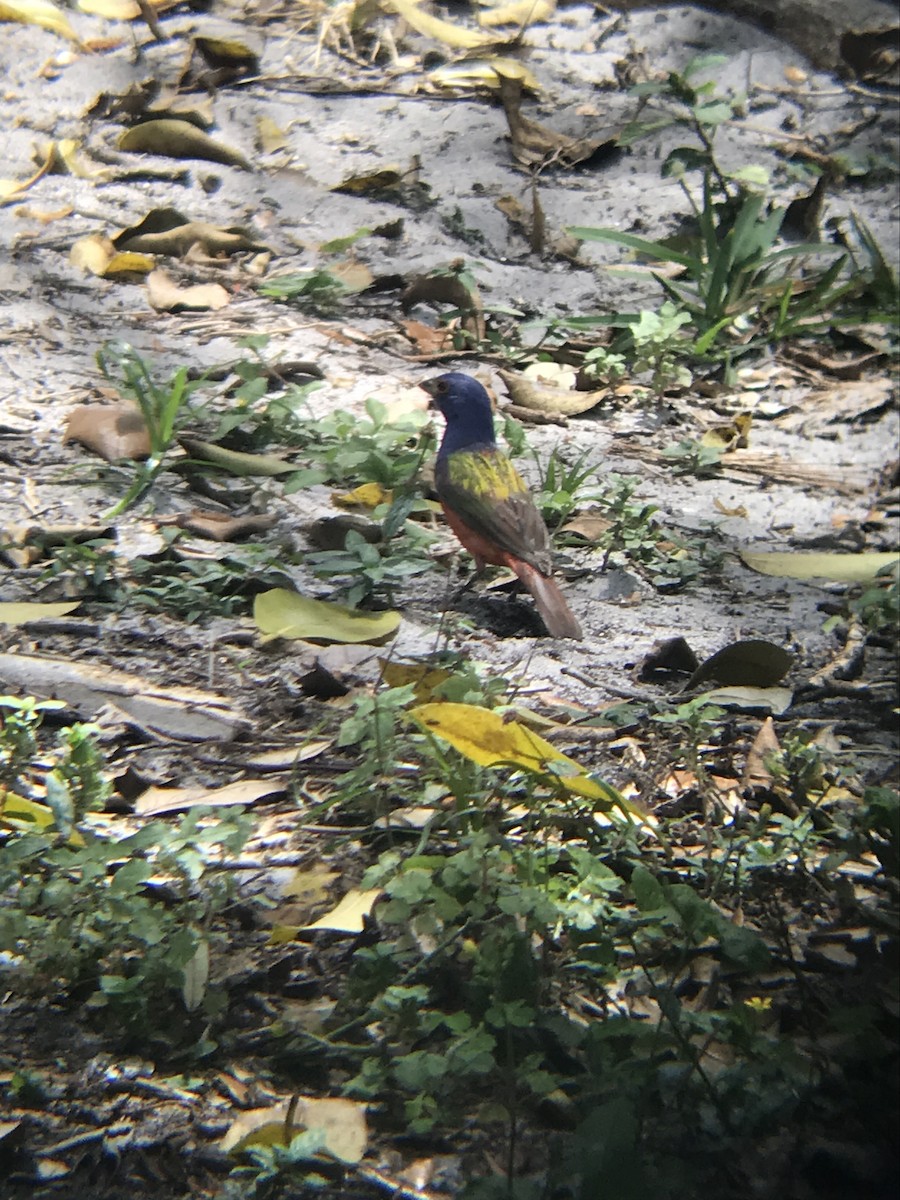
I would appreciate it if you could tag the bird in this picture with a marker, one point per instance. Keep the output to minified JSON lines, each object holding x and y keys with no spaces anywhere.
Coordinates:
{"x":487,"y":503}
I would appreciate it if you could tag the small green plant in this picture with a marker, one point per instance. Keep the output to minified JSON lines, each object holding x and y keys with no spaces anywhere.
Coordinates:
{"x":605,"y":366}
{"x":562,"y":486}
{"x":366,"y":572}
{"x":19,"y":723}
{"x":318,"y":291}
{"x":690,"y":457}
{"x":78,"y":910}
{"x":270,"y":1170}
{"x":658,"y":347}
{"x":345,"y":449}
{"x":160,"y":406}
{"x":90,"y":569}
{"x":630,"y":535}
{"x":878,"y":608}
{"x":195,"y":588}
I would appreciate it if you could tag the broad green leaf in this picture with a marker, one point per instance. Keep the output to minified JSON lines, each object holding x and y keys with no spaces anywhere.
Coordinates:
{"x":281,"y":613}
{"x":21,"y":612}
{"x":801,"y":564}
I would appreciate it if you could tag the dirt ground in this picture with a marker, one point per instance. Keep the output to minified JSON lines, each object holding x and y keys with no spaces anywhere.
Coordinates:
{"x":819,"y":472}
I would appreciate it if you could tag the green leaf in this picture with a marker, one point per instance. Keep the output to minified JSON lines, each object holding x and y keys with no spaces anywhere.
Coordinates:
{"x":281,"y":613}
{"x":655,"y":250}
{"x":647,"y":889}
{"x":238,"y":463}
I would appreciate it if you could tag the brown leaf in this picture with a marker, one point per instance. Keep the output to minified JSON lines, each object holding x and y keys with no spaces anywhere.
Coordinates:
{"x":589,"y":525}
{"x":166,"y":231}
{"x":158,"y":800}
{"x":756,"y":774}
{"x":114,"y":431}
{"x":222,"y":527}
{"x":528,"y":394}
{"x":446,"y":287}
{"x":172,"y":138}
{"x":534,"y":144}
{"x":165,"y":295}
{"x":753,"y":662}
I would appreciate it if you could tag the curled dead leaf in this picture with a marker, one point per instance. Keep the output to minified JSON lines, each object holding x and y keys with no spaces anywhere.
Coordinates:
{"x":166,"y":231}
{"x":540,"y":398}
{"x":172,"y":138}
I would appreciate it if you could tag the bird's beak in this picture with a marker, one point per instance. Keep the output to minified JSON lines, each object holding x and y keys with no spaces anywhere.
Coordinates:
{"x":430,"y":386}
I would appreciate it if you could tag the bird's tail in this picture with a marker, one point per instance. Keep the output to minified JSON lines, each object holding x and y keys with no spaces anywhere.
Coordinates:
{"x":550,"y":601}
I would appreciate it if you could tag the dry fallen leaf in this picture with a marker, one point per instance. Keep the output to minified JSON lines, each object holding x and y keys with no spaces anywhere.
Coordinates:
{"x":520,"y":12}
{"x":97,"y":255}
{"x":341,"y":1122}
{"x":179,"y":139}
{"x":527,"y":394}
{"x":765,"y":745}
{"x":21,"y":612}
{"x":158,"y":800}
{"x":38,"y":12}
{"x":166,"y":231}
{"x":349,"y":915}
{"x":456,"y":36}
{"x":222,"y":527}
{"x":165,"y":295}
{"x":534,"y":144}
{"x":114,"y":431}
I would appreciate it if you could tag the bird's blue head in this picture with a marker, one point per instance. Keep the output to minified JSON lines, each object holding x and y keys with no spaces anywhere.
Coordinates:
{"x":466,"y":408}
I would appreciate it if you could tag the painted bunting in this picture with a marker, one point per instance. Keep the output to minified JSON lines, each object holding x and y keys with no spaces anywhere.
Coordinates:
{"x":486,"y":502}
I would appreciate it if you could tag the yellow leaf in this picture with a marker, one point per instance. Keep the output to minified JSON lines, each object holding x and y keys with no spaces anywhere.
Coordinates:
{"x":349,"y":915}
{"x":519,"y":12}
{"x":483,"y":74}
{"x":178,"y":139}
{"x":38,"y":12}
{"x":121,"y":10}
{"x":343,"y":1123}
{"x":367,"y":495}
{"x":128,"y":263}
{"x":441,"y":31}
{"x":12,"y":190}
{"x":487,"y":739}
{"x":280,"y":613}
{"x":20,"y":613}
{"x":424,"y":678}
{"x":842,"y":568}
{"x":23,"y":814}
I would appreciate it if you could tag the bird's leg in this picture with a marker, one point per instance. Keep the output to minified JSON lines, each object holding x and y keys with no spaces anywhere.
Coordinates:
{"x":474,"y":578}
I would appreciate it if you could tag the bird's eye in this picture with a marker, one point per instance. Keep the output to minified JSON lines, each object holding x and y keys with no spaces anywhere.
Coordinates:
{"x":442,"y":386}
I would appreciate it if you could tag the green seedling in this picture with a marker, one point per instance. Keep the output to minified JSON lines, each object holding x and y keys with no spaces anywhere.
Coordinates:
{"x":160,"y":406}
